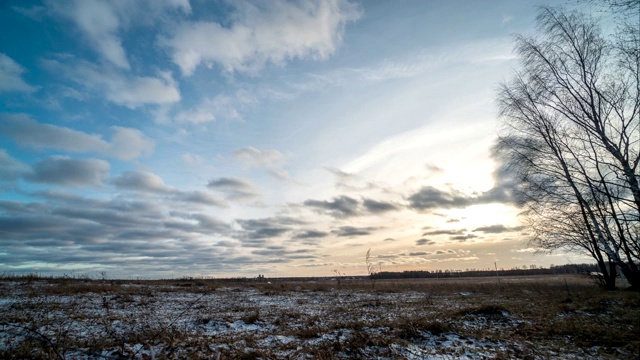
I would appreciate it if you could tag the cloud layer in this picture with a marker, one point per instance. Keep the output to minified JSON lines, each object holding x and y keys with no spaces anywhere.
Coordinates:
{"x":240,"y":137}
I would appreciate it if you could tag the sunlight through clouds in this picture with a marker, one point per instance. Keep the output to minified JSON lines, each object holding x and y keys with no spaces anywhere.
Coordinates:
{"x":181,"y":137}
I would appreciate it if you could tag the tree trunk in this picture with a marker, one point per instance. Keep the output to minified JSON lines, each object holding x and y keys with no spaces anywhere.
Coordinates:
{"x":633,"y":277}
{"x":610,"y":278}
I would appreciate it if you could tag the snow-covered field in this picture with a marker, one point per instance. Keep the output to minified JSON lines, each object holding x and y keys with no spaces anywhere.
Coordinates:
{"x":475,"y":318}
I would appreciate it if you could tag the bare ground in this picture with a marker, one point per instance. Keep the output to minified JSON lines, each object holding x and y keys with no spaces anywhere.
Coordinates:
{"x":535,"y":317}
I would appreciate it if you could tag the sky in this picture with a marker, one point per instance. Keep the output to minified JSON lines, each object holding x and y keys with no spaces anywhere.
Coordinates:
{"x":170,"y":138}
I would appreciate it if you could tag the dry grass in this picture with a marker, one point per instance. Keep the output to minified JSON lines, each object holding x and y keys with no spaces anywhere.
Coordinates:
{"x":524,"y":317}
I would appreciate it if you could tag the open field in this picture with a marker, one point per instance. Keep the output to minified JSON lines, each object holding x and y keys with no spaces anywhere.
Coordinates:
{"x":533,"y":317}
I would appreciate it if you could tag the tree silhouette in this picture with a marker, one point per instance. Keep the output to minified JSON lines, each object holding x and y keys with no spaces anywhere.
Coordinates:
{"x":571,"y":139}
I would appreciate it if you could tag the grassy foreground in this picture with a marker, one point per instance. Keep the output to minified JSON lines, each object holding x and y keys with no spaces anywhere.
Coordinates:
{"x":532,"y":317}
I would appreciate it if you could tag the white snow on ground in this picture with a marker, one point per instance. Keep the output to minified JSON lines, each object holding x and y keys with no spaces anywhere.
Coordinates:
{"x":143,"y":321}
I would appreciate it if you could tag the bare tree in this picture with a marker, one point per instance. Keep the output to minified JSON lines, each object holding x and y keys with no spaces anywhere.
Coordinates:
{"x":571,"y":138}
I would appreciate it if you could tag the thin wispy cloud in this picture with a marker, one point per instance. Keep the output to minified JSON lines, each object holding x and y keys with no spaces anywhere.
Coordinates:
{"x":102,"y":23}
{"x":220,"y":107}
{"x":10,"y":168}
{"x":11,"y":76}
{"x":123,"y":89}
{"x":271,"y":160}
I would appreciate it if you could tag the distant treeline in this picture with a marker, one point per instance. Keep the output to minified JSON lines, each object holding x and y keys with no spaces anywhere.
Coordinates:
{"x":559,"y":269}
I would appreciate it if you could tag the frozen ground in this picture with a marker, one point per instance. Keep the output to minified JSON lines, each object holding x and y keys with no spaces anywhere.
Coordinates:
{"x":534,"y":318}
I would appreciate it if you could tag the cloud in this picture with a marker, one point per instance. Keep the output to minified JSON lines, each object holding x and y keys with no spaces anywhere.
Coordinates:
{"x":407,"y":66}
{"x":125,"y":143}
{"x":433,"y":169}
{"x":279,"y":253}
{"x":26,"y":131}
{"x":200,"y":197}
{"x":444,"y":232}
{"x":261,"y":33}
{"x":429,"y":198}
{"x":352,"y":231}
{"x":443,"y":252}
{"x":352,"y":182}
{"x":10,"y":168}
{"x":127,"y":90}
{"x":135,"y":91}
{"x":36,"y":12}
{"x":11,"y":76}
{"x":342,"y":176}
{"x":310,"y":234}
{"x":60,"y":170}
{"x":150,"y":183}
{"x":272,"y":160}
{"x":186,"y":225}
{"x":234,"y":188}
{"x":211,"y":109}
{"x":210,"y":223}
{"x":374,"y":206}
{"x":141,"y":181}
{"x":501,"y":193}
{"x":463,"y":238}
{"x":505,"y":184}
{"x":423,"y":241}
{"x":264,"y":228}
{"x":530,"y":250}
{"x":346,"y":206}
{"x":338,"y":207}
{"x":115,"y":234}
{"x":419,"y":253}
{"x":192,"y":159}
{"x":101,"y":22}
{"x":250,"y":156}
{"x":497,"y":229}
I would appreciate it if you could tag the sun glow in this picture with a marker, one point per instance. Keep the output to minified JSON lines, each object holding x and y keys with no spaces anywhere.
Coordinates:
{"x":483,"y":215}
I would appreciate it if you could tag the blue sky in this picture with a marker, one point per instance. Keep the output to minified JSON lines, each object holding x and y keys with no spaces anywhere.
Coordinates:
{"x":231,"y":138}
